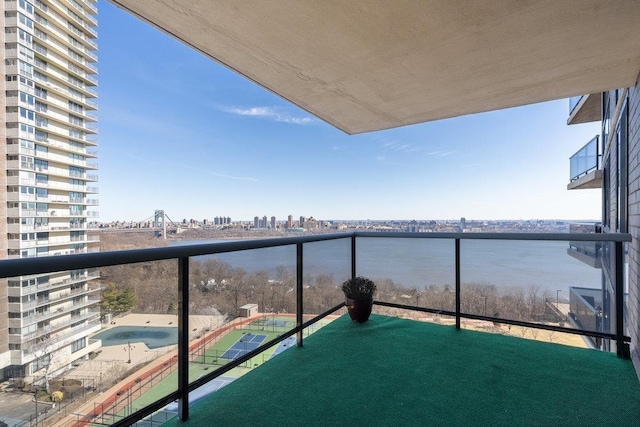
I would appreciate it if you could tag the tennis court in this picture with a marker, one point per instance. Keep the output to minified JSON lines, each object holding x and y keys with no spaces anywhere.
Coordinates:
{"x":278,"y":323}
{"x":244,"y":345}
{"x":273,"y":322}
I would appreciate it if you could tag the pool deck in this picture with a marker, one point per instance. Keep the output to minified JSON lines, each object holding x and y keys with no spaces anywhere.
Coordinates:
{"x":140,"y":353}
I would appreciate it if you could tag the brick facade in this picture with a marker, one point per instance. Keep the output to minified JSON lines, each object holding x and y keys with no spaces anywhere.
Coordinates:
{"x":633,"y":306}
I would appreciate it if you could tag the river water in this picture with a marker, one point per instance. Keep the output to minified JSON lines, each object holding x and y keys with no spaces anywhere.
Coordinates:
{"x":424,"y":262}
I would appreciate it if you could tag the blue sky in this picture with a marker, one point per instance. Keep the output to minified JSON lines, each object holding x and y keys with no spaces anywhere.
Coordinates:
{"x":181,"y":133}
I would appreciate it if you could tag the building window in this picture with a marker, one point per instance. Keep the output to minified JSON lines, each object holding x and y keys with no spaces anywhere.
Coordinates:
{"x":41,"y":363}
{"x":76,"y":107}
{"x":78,"y":121}
{"x":41,"y":165}
{"x":26,"y":98}
{"x":42,"y":93}
{"x":76,"y":172}
{"x":26,"y":6}
{"x":25,"y":21}
{"x":27,"y":114}
{"x":42,"y":121}
{"x":78,"y":345}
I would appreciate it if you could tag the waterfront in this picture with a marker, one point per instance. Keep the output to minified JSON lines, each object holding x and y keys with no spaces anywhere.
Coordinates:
{"x":420,"y":263}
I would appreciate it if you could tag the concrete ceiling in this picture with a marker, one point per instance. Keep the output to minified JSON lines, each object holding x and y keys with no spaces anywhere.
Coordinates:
{"x":376,"y":64}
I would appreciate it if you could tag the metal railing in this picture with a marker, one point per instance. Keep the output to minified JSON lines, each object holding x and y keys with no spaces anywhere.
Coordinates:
{"x":183,"y":254}
{"x":586,"y":159}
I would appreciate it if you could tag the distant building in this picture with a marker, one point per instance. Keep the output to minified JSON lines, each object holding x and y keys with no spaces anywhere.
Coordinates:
{"x":48,"y":127}
{"x":273,"y":222}
{"x":248,"y":310}
{"x":290,"y":221}
{"x":256,"y":222}
{"x":310,"y":224}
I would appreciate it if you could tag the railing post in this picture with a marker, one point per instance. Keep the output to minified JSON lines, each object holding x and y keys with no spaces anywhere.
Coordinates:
{"x":621,"y":349}
{"x":353,"y":256}
{"x":457,"y":283}
{"x":299,"y":295}
{"x":183,"y":338}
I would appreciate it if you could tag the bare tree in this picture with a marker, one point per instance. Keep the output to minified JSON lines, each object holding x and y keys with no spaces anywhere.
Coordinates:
{"x":46,"y":351}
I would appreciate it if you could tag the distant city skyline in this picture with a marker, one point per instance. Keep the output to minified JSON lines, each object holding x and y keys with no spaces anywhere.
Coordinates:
{"x":181,"y":133}
{"x":223,"y":221}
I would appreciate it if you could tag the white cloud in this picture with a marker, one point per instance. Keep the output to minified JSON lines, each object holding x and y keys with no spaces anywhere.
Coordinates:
{"x":271,"y":113}
{"x":441,"y":153}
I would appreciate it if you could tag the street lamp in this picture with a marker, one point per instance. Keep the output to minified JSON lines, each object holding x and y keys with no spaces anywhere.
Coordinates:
{"x":36,"y":396}
{"x":129,"y":346}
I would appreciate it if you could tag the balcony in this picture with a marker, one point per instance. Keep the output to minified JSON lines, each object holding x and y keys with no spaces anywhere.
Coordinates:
{"x":585,"y":109}
{"x":419,"y":373}
{"x":586,"y":167}
{"x":400,"y":372}
{"x":589,"y":253}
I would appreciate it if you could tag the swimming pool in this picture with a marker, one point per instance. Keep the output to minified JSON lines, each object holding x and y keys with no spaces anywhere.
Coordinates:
{"x":152,"y":336}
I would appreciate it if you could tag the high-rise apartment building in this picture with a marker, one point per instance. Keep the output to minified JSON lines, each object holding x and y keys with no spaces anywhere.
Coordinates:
{"x":610,"y":161}
{"x":47,"y":129}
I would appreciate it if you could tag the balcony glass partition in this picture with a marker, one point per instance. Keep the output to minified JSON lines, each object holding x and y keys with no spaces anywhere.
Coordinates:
{"x":530,"y":281}
{"x":239,"y":301}
{"x":573,"y":102}
{"x":139,"y":338}
{"x":245,"y":297}
{"x":585,"y":160}
{"x":326,"y":266}
{"x":410,"y":271}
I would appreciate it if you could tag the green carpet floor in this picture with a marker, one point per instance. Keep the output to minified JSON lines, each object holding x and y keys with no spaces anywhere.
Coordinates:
{"x":391,"y":371}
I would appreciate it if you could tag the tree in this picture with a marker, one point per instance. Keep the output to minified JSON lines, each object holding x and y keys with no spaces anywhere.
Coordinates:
{"x":116,"y":301}
{"x":126,"y":300}
{"x":45,"y":350}
{"x":109,"y":300}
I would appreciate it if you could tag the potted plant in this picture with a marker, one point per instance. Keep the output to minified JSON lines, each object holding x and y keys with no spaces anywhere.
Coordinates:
{"x":358,"y":292}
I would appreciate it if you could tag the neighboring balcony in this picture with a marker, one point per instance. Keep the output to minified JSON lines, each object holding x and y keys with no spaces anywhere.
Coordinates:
{"x":431,"y":372}
{"x":585,"y":109}
{"x":589,"y":253}
{"x":586,"y":167}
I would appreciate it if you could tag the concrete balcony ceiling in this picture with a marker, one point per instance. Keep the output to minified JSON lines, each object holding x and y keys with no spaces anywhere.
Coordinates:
{"x":369,"y":65}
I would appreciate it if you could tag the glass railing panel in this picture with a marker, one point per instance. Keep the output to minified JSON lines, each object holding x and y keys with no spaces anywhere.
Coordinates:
{"x":585,"y":160}
{"x":326,"y":265}
{"x":600,"y":310}
{"x":137,"y":362}
{"x":239,"y":301}
{"x":411,"y":271}
{"x":573,"y":102}
{"x":529,"y":281}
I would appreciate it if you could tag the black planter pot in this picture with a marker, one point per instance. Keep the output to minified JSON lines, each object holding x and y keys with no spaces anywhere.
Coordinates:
{"x":359,"y":309}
